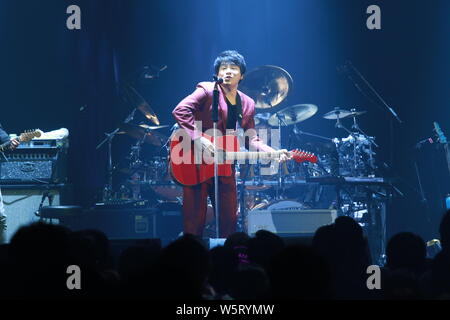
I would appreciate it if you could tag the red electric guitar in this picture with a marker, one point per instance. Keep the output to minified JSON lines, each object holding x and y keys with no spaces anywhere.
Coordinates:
{"x":186,"y":172}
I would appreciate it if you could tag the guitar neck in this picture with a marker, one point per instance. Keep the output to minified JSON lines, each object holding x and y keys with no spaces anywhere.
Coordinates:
{"x":251,"y":155}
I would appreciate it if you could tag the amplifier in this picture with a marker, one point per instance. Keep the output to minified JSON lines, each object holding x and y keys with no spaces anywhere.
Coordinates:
{"x":289,"y":222}
{"x":42,"y":161}
{"x":22,"y":201}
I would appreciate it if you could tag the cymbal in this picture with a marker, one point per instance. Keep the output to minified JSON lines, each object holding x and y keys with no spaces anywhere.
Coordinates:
{"x":341,"y":113}
{"x":293,"y":114}
{"x":153,"y":127}
{"x":267,"y":85}
{"x":138,"y":102}
{"x":141,"y":133}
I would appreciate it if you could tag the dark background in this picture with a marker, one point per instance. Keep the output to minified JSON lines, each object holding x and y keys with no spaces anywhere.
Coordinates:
{"x":52,"y":77}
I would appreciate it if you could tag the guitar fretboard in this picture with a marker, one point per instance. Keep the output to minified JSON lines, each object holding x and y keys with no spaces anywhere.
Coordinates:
{"x":251,"y":155}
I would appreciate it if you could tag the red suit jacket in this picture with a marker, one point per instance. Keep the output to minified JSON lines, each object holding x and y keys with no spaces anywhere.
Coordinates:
{"x":198,"y":107}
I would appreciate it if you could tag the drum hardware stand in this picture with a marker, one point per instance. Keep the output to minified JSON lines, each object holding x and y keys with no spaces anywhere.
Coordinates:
{"x":375,"y":203}
{"x":339,"y":125}
{"x":299,"y":132}
{"x":281,"y":187}
{"x":107,"y":191}
{"x":371,"y":141}
{"x":45,"y":194}
{"x":356,"y":127}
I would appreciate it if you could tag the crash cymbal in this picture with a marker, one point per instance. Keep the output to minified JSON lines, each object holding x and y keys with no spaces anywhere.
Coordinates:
{"x":138,"y":102}
{"x":293,"y":114}
{"x":147,"y":135}
{"x":267,"y":85}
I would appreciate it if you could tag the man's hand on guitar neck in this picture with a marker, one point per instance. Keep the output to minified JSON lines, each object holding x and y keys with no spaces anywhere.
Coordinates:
{"x":14,"y":144}
{"x":284,"y":155}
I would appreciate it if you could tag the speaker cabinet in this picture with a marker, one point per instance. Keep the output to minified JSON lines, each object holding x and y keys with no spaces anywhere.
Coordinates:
{"x":164,"y":222}
{"x":21,"y":204}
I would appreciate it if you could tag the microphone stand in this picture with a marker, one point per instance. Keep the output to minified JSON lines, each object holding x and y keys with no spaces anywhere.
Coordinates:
{"x":423,"y":199}
{"x":391,"y":110}
{"x":109,"y":138}
{"x":215,"y":119}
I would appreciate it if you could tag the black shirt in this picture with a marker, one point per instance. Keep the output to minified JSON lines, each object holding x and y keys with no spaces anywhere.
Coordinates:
{"x":234,"y":112}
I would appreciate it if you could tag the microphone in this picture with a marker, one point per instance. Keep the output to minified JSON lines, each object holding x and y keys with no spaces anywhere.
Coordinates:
{"x":217,"y":80}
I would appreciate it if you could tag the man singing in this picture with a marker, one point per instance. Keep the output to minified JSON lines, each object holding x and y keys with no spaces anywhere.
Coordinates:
{"x":234,"y":107}
{"x":4,"y":137}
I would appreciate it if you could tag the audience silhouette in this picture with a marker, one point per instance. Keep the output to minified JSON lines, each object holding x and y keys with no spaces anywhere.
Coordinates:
{"x":35,"y":263}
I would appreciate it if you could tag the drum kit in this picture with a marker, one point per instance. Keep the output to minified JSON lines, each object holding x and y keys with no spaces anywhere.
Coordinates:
{"x":269,"y":86}
{"x":138,"y":173}
{"x":351,"y":156}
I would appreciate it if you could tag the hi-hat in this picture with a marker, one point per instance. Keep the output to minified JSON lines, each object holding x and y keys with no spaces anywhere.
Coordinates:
{"x":152,"y":127}
{"x":138,"y":102}
{"x":293,"y":114}
{"x":355,"y":113}
{"x":341,"y":113}
{"x":267,"y":85}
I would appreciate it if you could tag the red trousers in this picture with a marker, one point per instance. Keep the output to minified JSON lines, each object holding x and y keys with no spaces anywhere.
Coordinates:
{"x":195,"y":206}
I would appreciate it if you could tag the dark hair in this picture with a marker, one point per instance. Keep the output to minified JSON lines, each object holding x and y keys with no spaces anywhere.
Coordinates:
{"x":231,"y":57}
